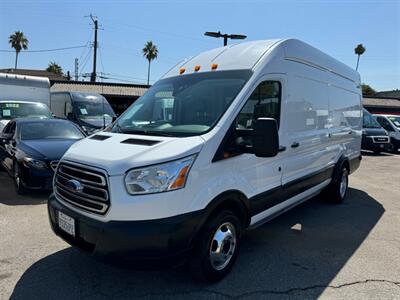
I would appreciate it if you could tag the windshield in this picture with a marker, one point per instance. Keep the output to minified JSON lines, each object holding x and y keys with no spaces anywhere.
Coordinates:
{"x":395,"y":121}
{"x":93,"y":110}
{"x":11,"y":110}
{"x":49,"y":130}
{"x":184,"y":105}
{"x":369,"y":121}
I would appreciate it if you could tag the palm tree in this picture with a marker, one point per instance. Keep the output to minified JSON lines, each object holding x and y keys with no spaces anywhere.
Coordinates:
{"x":18,"y":41}
{"x":149,"y":51}
{"x":359,"y":50}
{"x":54,"y":68}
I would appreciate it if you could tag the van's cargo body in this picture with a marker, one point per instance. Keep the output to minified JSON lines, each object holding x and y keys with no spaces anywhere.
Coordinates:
{"x":19,"y":94}
{"x":90,"y":111}
{"x":225,"y":141}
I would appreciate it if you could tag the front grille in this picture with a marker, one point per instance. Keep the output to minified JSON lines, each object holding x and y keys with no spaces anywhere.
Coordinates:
{"x":82,"y":187}
{"x":380,"y":139}
{"x":54,"y":164}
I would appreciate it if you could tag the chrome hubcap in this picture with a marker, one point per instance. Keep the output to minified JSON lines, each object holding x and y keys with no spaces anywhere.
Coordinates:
{"x":223,"y":246}
{"x":343,"y":184}
{"x":16,"y":176}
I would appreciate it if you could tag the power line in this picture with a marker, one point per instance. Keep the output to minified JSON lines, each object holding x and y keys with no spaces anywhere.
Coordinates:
{"x":47,"y":50}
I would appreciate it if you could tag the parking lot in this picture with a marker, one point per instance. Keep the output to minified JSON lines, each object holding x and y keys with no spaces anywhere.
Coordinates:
{"x":317,"y":250}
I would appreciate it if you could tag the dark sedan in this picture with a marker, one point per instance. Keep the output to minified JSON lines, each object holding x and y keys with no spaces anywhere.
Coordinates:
{"x":31,"y":148}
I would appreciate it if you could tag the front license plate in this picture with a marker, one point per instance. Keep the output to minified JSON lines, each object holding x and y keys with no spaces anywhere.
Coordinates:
{"x":66,"y":223}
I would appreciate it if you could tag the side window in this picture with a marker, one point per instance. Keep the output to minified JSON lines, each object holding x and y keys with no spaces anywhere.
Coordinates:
{"x":264,"y":102}
{"x":385,"y":124}
{"x":10,"y":128}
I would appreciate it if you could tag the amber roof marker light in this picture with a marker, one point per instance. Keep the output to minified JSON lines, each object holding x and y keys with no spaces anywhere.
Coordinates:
{"x":225,"y":36}
{"x":182,"y":70}
{"x":214,"y":66}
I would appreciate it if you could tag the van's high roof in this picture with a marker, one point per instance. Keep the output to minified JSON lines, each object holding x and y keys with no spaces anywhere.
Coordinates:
{"x":249,"y":55}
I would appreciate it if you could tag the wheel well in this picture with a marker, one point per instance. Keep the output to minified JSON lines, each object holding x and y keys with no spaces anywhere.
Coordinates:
{"x":234,"y":201}
{"x":342,"y":162}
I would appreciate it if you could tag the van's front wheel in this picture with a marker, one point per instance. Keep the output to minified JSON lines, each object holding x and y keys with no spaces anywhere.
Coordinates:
{"x":217,"y":247}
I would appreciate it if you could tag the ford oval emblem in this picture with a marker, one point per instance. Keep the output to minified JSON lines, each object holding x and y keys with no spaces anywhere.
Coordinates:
{"x":74,"y":185}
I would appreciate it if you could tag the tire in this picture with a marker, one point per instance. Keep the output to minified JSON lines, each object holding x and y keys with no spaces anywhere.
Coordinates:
{"x":17,"y":179}
{"x":338,"y":189}
{"x":211,"y":262}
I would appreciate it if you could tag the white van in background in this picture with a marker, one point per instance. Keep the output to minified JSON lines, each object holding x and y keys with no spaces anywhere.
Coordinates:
{"x":90,"y":111}
{"x":391,"y":123}
{"x":23,"y":96}
{"x":224,"y":142}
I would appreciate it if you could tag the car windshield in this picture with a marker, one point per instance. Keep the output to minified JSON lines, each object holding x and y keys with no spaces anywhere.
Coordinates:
{"x":184,"y":105}
{"x":11,"y":110}
{"x":395,"y":121}
{"x":49,"y":130}
{"x":369,"y":121}
{"x":94,"y":110}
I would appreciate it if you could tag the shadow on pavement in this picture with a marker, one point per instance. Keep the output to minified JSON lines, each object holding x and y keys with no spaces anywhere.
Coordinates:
{"x":276,"y":260}
{"x":8,"y":195}
{"x":371,"y":153}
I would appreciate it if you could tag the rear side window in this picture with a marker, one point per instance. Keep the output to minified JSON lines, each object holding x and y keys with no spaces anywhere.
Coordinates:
{"x":264,"y":102}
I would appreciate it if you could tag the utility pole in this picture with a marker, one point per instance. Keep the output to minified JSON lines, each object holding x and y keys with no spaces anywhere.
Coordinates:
{"x":76,"y":69}
{"x":96,"y":27}
{"x":225,"y":36}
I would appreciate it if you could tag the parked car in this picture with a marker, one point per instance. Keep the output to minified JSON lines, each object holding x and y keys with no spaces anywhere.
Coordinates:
{"x":374,"y":137}
{"x":224,"y":142}
{"x":90,"y":111}
{"x":31,"y":148}
{"x":391,"y":123}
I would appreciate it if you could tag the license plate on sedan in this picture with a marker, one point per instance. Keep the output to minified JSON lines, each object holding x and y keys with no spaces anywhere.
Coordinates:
{"x":66,"y":223}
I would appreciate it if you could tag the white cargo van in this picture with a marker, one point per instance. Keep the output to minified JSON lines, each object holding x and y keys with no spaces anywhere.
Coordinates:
{"x":23,"y":96}
{"x":391,"y":123}
{"x":224,"y":142}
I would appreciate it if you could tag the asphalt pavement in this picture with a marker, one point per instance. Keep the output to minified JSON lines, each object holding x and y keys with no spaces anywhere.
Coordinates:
{"x":316,"y":251}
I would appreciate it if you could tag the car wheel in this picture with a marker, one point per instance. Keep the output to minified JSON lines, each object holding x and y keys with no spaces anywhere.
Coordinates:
{"x":17,"y":179}
{"x":338,"y":189}
{"x":217,"y":247}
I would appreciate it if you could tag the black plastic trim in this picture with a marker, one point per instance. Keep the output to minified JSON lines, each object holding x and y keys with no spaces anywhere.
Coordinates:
{"x":284,"y":192}
{"x":140,"y":142}
{"x":99,"y":137}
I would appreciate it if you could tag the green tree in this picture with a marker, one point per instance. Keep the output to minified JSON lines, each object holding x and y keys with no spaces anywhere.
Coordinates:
{"x":359,"y":50}
{"x":54,"y":68}
{"x":367,"y":90}
{"x":150,"y":52}
{"x":18,"y":41}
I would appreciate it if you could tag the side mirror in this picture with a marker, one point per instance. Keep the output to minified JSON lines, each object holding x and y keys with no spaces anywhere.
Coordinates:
{"x":265,"y":137}
{"x":5,"y":138}
{"x":70,"y":116}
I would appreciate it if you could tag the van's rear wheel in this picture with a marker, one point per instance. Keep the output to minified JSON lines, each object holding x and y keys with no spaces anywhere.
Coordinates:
{"x":338,"y":189}
{"x":217,"y":247}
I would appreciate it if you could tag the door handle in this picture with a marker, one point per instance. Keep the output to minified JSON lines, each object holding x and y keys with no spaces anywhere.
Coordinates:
{"x":295,"y":145}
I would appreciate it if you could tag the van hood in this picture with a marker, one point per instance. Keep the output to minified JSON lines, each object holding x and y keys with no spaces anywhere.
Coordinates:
{"x":3,"y":124}
{"x":374,"y":132}
{"x":117,"y":153}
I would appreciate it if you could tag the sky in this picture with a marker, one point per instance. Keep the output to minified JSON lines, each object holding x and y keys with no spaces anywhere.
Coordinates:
{"x":177,"y":28}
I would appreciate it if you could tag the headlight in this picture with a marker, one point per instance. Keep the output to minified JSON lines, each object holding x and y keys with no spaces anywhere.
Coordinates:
{"x":37,"y":164}
{"x":159,"y":178}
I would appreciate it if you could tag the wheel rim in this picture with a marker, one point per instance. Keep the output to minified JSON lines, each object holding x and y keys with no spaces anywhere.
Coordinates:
{"x":223,"y":245}
{"x":343,"y":184}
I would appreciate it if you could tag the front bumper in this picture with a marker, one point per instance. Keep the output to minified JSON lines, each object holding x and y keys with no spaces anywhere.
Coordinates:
{"x":37,"y":179}
{"x":135,"y":240}
{"x":368,"y":144}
